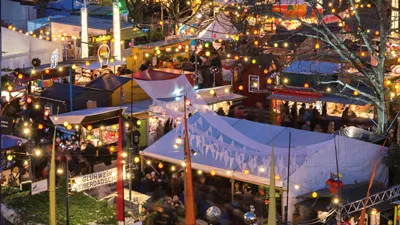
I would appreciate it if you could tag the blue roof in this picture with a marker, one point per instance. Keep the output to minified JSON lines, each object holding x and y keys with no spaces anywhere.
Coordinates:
{"x":313,"y":67}
{"x":61,"y":91}
{"x":108,"y":82}
{"x":93,"y":22}
{"x":8,"y":141}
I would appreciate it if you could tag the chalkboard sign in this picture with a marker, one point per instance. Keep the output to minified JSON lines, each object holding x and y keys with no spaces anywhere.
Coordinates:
{"x":6,"y":125}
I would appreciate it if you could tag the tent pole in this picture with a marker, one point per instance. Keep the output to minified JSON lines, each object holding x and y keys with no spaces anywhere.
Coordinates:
{"x":189,"y":197}
{"x":288,"y":183}
{"x":120,"y":182}
{"x":232,"y":188}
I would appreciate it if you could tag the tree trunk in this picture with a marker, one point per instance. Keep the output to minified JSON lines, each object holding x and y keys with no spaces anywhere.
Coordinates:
{"x":42,"y":9}
{"x":381,"y":117}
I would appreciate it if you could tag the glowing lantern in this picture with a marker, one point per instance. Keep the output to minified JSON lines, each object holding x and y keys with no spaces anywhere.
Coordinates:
{"x":253,"y":61}
{"x":266,"y":71}
{"x":213,"y":173}
{"x":246,"y":171}
{"x":69,"y":127}
{"x":136,"y":159}
{"x":207,"y":45}
{"x":306,"y":85}
{"x":138,"y":122}
{"x":314,"y":194}
{"x":275,"y":45}
{"x":240,"y":87}
{"x":160,"y":165}
{"x":317,"y":46}
{"x":112,"y":148}
{"x":9,"y":88}
{"x":135,"y":57}
{"x":256,"y":43}
{"x":47,"y":71}
{"x":277,"y":177}
{"x":376,"y":33}
{"x":40,"y":126}
{"x":87,"y":63}
{"x":285,"y":80}
{"x":362,"y":54}
{"x":237,"y":58}
{"x":212,"y":92}
{"x":73,"y":66}
{"x":20,"y":76}
{"x":269,"y":81}
{"x":65,"y":124}
{"x":355,"y":93}
{"x":208,"y":53}
{"x":89,"y":127}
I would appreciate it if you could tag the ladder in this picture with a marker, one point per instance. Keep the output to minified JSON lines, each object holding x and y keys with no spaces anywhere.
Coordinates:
{"x":352,"y":207}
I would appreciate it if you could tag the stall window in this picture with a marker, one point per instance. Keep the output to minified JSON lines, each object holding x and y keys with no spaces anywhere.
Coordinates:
{"x":254,"y":83}
{"x":336,"y":109}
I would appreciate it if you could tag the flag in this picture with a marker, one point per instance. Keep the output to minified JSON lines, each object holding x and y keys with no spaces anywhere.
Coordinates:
{"x":272,"y":197}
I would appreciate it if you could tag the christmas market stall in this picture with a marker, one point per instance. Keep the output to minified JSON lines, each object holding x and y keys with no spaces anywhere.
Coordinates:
{"x":98,"y":125}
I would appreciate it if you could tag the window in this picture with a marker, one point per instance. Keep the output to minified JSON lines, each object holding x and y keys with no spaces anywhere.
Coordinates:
{"x":254,"y":83}
{"x":395,"y":15}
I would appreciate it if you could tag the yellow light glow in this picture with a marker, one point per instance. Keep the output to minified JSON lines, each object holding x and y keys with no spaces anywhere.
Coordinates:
{"x":314,"y":194}
{"x":137,"y":159}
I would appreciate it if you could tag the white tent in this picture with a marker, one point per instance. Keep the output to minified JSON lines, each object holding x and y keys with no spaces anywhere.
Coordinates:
{"x":20,"y":49}
{"x":231,"y":146}
{"x":78,"y":117}
{"x":220,"y":28}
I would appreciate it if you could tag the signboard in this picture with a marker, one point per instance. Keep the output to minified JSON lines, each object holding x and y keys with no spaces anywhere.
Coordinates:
{"x":94,"y":180}
{"x":6,"y":125}
{"x":39,"y":187}
{"x":254,"y":83}
{"x":101,"y":38}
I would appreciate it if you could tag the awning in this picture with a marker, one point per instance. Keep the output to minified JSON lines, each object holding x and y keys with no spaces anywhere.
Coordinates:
{"x":138,"y":107}
{"x":87,"y":115}
{"x":96,"y":65}
{"x":228,"y":97}
{"x":342,"y":100}
{"x":293,"y":98}
{"x":9,"y":141}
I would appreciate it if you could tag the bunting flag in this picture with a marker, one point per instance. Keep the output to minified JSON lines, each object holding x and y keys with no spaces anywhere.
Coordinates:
{"x":272,"y":197}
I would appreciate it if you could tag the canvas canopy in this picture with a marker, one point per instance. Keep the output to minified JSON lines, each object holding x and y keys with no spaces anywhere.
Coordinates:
{"x":82,"y":116}
{"x":220,"y":28}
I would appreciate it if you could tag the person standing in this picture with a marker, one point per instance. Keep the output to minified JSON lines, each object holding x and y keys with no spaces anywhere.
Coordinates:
{"x":90,"y":155}
{"x":135,"y":139}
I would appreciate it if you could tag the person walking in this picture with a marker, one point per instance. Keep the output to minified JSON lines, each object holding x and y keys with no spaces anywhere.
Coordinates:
{"x":90,"y":155}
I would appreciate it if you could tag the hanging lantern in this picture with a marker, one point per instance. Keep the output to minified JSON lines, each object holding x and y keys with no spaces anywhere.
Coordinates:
{"x":160,"y":165}
{"x":306,"y":85}
{"x":89,"y":127}
{"x":240,"y":87}
{"x":246,"y":171}
{"x":269,"y":81}
{"x":213,"y":173}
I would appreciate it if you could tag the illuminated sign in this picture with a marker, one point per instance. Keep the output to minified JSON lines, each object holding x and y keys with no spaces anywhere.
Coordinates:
{"x":94,"y":180}
{"x":254,"y":83}
{"x":101,"y":38}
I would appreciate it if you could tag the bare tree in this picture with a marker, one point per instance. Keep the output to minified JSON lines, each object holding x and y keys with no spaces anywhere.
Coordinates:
{"x":42,"y":6}
{"x":135,"y":9}
{"x":181,"y":12}
{"x":353,"y":20}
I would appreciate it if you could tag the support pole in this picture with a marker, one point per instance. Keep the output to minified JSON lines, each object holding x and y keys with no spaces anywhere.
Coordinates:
{"x":52,"y":186}
{"x":67,"y":191}
{"x":232,"y":189}
{"x":189,"y":197}
{"x":120,"y":182}
{"x":338,"y":177}
{"x":70,"y":91}
{"x":84,"y":32}
{"x":288,"y":182}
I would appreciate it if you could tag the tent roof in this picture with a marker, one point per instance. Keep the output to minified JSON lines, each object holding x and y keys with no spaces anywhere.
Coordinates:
{"x":96,"y":65}
{"x":87,"y":115}
{"x":108,"y":82}
{"x":8,"y":141}
{"x":138,"y":107}
{"x":93,"y":22}
{"x":313,"y":67}
{"x":218,"y":29}
{"x":60,"y":91}
{"x":247,"y":145}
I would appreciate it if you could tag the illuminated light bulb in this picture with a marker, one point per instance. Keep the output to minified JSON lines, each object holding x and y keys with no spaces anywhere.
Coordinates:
{"x":77,"y":127}
{"x":173,"y":168}
{"x":38,"y":152}
{"x":228,"y":172}
{"x":246,"y":59}
{"x":183,"y":164}
{"x":137,"y":159}
{"x":208,"y":53}
{"x":158,"y":52}
{"x":124,"y":154}
{"x":26,"y":131}
{"x":306,"y":85}
{"x":10,"y":157}
{"x":285,"y":45}
{"x":240,"y":87}
{"x":87,"y":63}
{"x":275,"y":45}
{"x":269,"y":81}
{"x":20,"y":76}
{"x":47,"y":71}
{"x":262,"y":169}
{"x":213,"y":173}
{"x":355,"y":93}
{"x":330,"y":4}
{"x":9,"y":88}
{"x":89,"y":127}
{"x":256,"y":43}
{"x":392,"y":94}
{"x":388,"y":82}
{"x":362,"y":54}
{"x":368,"y":5}
{"x":212,"y":92}
{"x":160,"y":165}
{"x":397,"y":86}
{"x":40,"y":126}
{"x":333,"y":10}
{"x":126,"y":125}
{"x":60,"y":171}
{"x":135,"y":57}
{"x":246,"y":171}
{"x":237,"y":58}
{"x":178,"y":141}
{"x":73,"y":66}
{"x":255,"y":84}
{"x":37,"y":106}
{"x":65,"y":123}
{"x":296,"y":186}
{"x":148,"y":162}
{"x":226,"y":90}
{"x":199,"y":172}
{"x":207,"y":45}
{"x":60,"y":69}
{"x":228,"y":55}
{"x":285,"y":80}
{"x":102,"y":128}
{"x":254,"y":61}
{"x":317,"y":46}
{"x":69,"y":127}
{"x":314,"y":194}
{"x":377,"y":33}
{"x":328,"y":89}
{"x":373,"y":212}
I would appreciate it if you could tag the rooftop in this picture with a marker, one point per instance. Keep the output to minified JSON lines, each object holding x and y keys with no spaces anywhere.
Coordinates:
{"x":93,"y":22}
